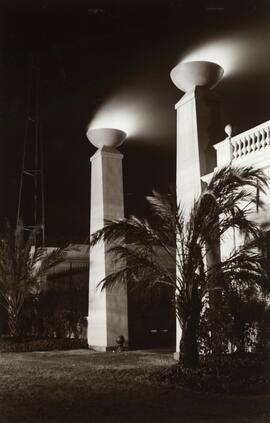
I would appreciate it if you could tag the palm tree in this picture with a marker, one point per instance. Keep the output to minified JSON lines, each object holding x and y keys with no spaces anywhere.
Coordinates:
{"x":188,"y":242}
{"x":21,"y":269}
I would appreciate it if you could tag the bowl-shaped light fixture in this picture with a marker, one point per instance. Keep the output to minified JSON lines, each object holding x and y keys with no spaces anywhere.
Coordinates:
{"x":187,"y":75}
{"x":106,"y":137}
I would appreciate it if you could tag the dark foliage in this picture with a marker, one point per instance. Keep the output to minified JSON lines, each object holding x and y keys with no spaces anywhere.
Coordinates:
{"x":228,"y":374}
{"x":22,"y":267}
{"x":241,"y":321}
{"x":47,"y":344}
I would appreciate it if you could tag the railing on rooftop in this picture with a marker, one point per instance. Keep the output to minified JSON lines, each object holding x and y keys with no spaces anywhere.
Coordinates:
{"x":247,"y":145}
{"x":251,"y":141}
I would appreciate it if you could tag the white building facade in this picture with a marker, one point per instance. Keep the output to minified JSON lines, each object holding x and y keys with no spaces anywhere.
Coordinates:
{"x":249,"y":148}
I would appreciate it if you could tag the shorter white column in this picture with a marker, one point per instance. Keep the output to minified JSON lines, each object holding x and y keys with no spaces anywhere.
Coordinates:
{"x":108,"y":313}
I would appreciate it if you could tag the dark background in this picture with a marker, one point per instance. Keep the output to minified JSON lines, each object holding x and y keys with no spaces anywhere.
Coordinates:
{"x":88,"y":52}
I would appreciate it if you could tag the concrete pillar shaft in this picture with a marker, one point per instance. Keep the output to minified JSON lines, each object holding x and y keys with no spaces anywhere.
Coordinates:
{"x":198,"y":125}
{"x":107,"y":317}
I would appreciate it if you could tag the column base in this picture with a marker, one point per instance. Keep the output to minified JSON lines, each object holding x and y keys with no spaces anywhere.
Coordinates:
{"x":99,"y":348}
{"x":176,"y":355}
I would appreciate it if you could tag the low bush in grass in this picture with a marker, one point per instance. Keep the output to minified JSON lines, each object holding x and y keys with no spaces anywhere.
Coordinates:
{"x":230,"y":374}
{"x":46,"y":344}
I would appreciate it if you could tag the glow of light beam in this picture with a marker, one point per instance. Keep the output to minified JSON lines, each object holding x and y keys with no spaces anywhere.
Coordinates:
{"x":238,"y":51}
{"x":121,"y":113}
{"x":226,"y":53}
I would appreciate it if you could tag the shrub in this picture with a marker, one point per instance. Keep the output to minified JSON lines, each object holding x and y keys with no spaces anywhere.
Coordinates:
{"x":230,"y":374}
{"x":238,"y":324}
{"x":47,"y":344}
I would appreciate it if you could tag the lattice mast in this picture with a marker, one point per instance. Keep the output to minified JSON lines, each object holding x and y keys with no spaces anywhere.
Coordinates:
{"x":31,"y":201}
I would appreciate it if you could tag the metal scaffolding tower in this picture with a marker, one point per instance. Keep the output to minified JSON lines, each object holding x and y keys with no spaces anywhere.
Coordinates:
{"x":31,"y":202}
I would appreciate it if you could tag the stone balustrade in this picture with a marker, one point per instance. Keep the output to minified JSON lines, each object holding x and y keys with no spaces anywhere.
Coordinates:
{"x":250,"y":148}
{"x":248,"y":142}
{"x":245,"y":147}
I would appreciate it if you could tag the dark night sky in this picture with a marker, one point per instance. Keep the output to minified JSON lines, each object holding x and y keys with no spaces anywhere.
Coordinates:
{"x":92,"y":52}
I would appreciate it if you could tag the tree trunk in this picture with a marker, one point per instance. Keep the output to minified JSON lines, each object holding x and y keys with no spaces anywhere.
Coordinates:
{"x":14,"y":323}
{"x":215,"y":297}
{"x":217,"y":318}
{"x":189,"y":354}
{"x":240,"y":336}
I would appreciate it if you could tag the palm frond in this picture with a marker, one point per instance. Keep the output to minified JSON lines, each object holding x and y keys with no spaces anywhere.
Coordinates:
{"x":228,"y":179}
{"x":21,"y":266}
{"x":189,"y":242}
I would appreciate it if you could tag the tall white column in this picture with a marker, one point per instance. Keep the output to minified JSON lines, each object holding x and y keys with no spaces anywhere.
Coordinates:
{"x":108,"y":314}
{"x":198,"y":125}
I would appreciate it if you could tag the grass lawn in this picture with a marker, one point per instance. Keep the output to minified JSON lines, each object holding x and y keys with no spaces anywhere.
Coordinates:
{"x":84,"y":386}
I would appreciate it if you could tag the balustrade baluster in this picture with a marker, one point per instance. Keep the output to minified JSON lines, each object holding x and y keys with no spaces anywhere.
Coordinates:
{"x":252,"y":142}
{"x":237,"y":149}
{"x":242,"y":149}
{"x":247,"y":139}
{"x":257,"y":134}
{"x":267,"y":139}
{"x":262,"y":138}
{"x":249,"y":144}
{"x":233,"y":149}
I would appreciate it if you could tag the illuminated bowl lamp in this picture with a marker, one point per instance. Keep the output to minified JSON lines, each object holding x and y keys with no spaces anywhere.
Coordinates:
{"x":107,"y":311}
{"x":106,"y":137}
{"x":188,"y":75}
